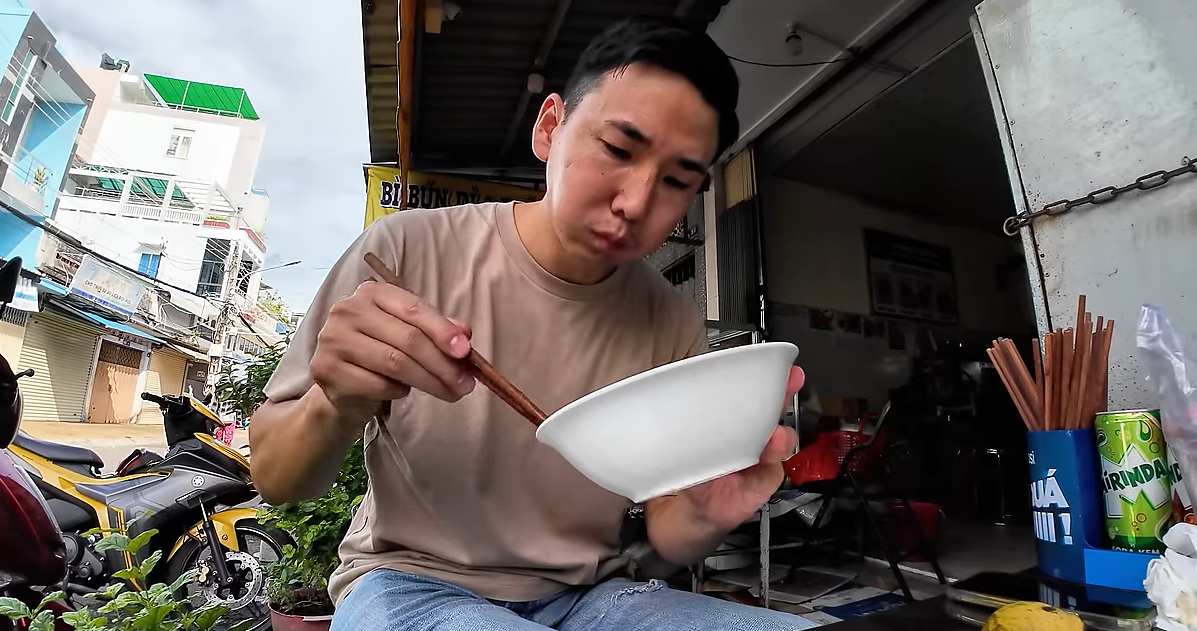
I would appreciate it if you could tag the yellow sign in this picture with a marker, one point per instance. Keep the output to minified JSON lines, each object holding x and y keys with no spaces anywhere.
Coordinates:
{"x":385,"y":192}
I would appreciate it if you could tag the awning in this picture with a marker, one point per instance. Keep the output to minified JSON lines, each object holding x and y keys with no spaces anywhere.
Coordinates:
{"x":110,"y":324}
{"x":194,"y":356}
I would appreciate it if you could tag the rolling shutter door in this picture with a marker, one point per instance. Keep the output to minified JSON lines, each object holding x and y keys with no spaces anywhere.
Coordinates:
{"x":164,"y":376}
{"x":62,"y":355}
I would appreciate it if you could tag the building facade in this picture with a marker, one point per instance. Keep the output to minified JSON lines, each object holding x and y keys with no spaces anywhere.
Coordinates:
{"x":45,"y":104}
{"x":152,"y":263}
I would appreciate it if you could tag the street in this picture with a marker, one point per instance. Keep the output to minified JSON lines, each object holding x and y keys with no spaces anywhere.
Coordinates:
{"x":113,"y":442}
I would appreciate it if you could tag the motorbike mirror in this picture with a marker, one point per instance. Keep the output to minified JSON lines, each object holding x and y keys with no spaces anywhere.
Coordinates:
{"x":10,"y":274}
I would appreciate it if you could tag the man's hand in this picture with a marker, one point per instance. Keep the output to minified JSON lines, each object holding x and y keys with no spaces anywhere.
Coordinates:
{"x":381,"y":342}
{"x":729,"y":501}
{"x":685,"y":527}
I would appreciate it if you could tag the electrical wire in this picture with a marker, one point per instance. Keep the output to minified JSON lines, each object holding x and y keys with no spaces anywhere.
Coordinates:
{"x":784,"y":65}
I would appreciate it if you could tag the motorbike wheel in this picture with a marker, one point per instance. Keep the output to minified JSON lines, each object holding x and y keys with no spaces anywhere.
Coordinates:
{"x":247,"y":599}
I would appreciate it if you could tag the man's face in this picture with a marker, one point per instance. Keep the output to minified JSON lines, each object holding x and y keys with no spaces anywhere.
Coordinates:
{"x":626,"y":163}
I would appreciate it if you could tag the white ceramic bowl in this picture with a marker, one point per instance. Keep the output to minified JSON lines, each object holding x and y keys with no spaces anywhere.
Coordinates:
{"x":677,"y":425}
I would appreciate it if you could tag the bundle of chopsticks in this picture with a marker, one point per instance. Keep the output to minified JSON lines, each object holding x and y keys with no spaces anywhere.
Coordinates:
{"x":1071,"y":374}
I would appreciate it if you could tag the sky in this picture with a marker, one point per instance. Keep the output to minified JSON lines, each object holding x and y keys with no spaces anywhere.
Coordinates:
{"x":303,"y":71}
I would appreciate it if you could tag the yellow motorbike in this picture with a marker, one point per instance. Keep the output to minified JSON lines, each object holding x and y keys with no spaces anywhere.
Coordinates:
{"x":197,"y":496}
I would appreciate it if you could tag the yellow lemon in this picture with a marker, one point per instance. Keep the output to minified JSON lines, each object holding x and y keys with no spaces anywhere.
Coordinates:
{"x":1032,"y":616}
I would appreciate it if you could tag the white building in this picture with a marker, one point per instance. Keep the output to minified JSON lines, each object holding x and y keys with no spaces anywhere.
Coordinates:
{"x":163,"y":183}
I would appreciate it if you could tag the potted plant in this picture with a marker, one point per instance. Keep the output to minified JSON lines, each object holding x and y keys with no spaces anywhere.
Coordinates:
{"x":299,"y":580}
{"x":298,"y":587}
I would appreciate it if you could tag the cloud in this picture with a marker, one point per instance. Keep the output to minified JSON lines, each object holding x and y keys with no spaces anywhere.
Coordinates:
{"x":301,"y":64}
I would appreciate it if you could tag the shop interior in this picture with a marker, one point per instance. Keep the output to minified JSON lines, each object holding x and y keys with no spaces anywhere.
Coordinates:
{"x":885,"y":263}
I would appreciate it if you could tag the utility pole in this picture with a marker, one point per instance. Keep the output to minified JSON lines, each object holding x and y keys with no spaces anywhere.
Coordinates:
{"x":225,"y":317}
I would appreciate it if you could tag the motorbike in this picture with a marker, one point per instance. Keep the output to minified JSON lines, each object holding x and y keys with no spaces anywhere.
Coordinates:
{"x":32,"y":551}
{"x":196,"y":496}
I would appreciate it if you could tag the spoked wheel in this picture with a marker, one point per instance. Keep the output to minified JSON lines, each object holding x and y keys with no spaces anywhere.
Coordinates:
{"x":247,"y":597}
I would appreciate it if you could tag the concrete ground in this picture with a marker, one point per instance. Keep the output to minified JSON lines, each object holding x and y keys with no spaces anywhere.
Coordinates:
{"x":112,"y":441}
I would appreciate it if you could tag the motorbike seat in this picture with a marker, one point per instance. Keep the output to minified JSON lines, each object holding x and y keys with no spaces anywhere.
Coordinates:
{"x":58,"y":452}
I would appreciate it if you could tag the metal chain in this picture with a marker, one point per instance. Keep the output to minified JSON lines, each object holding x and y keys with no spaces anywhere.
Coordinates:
{"x":1100,"y":196}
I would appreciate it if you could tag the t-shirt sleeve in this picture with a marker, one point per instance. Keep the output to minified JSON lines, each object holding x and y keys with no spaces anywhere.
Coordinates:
{"x":696,"y":335}
{"x":293,"y":377}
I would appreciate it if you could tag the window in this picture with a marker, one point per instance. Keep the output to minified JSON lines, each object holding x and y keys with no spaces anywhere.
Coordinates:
{"x":247,"y":269}
{"x":14,"y":95}
{"x":180,"y":142}
{"x":149,"y":264}
{"x":211,"y":280}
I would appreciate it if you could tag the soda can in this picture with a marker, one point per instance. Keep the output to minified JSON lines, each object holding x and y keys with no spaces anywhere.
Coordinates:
{"x":1182,"y":506}
{"x":1135,"y":478}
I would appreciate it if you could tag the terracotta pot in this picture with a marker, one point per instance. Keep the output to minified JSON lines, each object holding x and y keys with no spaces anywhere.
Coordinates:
{"x":287,"y":622}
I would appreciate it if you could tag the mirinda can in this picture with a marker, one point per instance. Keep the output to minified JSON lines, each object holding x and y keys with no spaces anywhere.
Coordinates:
{"x":1136,"y":479}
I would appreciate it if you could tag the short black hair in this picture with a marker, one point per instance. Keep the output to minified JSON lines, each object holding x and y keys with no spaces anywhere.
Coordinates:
{"x":690,"y":53}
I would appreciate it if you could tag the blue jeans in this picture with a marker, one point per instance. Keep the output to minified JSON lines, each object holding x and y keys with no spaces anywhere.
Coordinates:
{"x":386,"y":600}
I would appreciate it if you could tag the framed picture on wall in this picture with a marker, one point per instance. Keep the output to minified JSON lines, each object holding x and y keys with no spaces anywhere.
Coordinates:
{"x":910,"y":279}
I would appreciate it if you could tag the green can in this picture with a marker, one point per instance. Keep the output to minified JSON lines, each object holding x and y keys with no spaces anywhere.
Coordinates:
{"x":1136,"y":479}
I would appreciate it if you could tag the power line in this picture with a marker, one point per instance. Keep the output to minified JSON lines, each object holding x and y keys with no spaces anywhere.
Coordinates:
{"x":782,"y":65}
{"x":75,"y":243}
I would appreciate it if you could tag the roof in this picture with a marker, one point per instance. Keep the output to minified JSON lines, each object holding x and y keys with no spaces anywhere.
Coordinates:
{"x":109,"y":324}
{"x":203,"y":97}
{"x":471,"y":78}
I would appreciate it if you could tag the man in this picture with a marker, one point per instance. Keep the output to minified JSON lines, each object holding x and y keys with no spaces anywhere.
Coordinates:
{"x":469,"y":522}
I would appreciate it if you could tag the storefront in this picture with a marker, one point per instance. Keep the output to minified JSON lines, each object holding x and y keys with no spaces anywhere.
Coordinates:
{"x":61,"y":350}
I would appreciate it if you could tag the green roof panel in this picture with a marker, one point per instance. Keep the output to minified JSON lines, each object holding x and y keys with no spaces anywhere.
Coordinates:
{"x":203,"y":97}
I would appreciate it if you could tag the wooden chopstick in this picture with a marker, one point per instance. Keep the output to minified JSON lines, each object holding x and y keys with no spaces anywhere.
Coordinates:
{"x":1020,"y":403}
{"x":1084,"y":348}
{"x":478,"y":366}
{"x":1034,"y":398}
{"x":1050,"y":378}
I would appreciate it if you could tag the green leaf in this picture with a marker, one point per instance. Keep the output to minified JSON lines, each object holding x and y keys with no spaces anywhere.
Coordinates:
{"x":153,"y":616}
{"x":43,"y":621}
{"x":121,"y":603}
{"x":129,"y":574}
{"x":112,"y":590}
{"x":113,"y":542}
{"x":14,"y":609}
{"x":209,"y":616}
{"x":244,"y":625}
{"x":81,"y":619}
{"x":148,"y":565}
{"x":184,"y":578}
{"x":140,"y":541}
{"x":59,"y":595}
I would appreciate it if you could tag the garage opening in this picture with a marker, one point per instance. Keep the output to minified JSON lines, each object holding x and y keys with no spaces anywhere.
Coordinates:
{"x":886,"y":264}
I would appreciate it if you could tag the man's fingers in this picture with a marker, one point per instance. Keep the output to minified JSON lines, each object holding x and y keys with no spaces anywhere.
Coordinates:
{"x":384,"y":359}
{"x":368,"y":385}
{"x":406,"y":306}
{"x":465,"y":328}
{"x":780,"y":446}
{"x":417,"y":346}
{"x":795,"y":382}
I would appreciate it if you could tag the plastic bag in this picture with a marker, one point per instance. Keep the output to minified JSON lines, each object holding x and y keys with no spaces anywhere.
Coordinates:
{"x":1172,"y":374}
{"x":1172,"y":580}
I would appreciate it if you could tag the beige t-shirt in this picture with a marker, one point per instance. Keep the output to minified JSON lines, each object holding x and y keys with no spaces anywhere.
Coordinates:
{"x":463,"y":492}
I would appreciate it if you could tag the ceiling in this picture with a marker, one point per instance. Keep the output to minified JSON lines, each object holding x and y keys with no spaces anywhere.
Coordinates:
{"x":929,"y":146}
{"x":472,"y":110}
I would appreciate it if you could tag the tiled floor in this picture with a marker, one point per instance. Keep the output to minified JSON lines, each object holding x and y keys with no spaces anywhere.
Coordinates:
{"x":969,"y":548}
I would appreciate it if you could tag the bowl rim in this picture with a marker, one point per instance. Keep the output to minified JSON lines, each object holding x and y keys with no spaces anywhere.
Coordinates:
{"x":663,"y":368}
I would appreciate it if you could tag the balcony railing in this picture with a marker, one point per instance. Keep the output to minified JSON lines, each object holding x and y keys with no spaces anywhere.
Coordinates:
{"x":102,"y":203}
{"x":27,"y":178}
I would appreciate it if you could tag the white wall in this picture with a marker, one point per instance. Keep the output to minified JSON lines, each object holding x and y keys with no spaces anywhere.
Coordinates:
{"x":135,"y":136}
{"x":123,"y":239}
{"x":815,"y":258}
{"x":257,"y":207}
{"x":139,"y":140}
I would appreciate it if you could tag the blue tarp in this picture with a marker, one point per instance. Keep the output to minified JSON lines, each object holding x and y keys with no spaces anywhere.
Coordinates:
{"x":123,"y":328}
